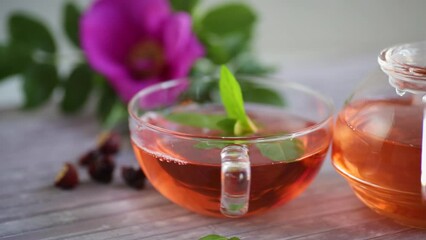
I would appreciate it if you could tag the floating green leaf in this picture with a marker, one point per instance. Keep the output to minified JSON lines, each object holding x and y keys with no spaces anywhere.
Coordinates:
{"x":232,"y":99}
{"x":28,"y":31}
{"x":77,"y":88}
{"x":39,"y":82}
{"x":71,"y":16}
{"x":200,"y":120}
{"x":13,"y":60}
{"x":286,"y":150}
{"x":184,"y":5}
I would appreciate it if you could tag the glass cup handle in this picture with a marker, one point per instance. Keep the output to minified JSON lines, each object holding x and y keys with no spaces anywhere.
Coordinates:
{"x":235,"y":181}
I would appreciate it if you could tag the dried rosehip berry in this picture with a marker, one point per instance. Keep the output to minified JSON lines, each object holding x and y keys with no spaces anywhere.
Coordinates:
{"x":89,"y":158}
{"x":134,"y":178}
{"x":102,"y":170}
{"x":67,"y":178}
{"x":110,"y":144}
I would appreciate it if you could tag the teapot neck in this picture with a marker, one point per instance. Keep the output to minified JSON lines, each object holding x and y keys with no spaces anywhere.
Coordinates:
{"x":406,"y":67}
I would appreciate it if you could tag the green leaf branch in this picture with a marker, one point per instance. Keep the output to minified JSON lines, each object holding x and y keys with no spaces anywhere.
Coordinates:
{"x":31,"y":52}
{"x":226,"y":31}
{"x":29,"y":32}
{"x":71,"y":16}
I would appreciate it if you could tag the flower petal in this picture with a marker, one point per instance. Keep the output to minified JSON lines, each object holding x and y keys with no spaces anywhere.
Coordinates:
{"x":186,"y":58}
{"x":127,"y":87}
{"x":176,"y":34}
{"x":104,"y":32}
{"x":147,"y":15}
{"x":164,"y":97}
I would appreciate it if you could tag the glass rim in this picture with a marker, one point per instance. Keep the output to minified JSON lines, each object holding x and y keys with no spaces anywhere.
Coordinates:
{"x":326,"y":101}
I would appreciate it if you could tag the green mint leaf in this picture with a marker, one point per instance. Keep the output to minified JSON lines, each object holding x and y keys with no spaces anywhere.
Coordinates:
{"x":217,"y":237}
{"x":209,"y":121}
{"x":39,"y":82}
{"x":77,"y":89}
{"x":71,"y":16}
{"x":282,"y":151}
{"x":232,"y":99}
{"x":28,"y":31}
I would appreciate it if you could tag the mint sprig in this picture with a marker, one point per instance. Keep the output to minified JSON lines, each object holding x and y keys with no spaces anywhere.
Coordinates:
{"x":236,"y":122}
{"x":232,"y":99}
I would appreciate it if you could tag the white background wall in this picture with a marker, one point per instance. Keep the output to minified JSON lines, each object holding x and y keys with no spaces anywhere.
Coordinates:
{"x":289,"y":31}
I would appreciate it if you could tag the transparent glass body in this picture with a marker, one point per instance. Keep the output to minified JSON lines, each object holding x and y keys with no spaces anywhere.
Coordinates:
{"x":378,"y":136}
{"x":210,"y":173}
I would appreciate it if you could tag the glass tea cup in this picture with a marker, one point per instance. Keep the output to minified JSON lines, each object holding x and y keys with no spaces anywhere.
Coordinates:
{"x":380,"y":133}
{"x":211,"y":173}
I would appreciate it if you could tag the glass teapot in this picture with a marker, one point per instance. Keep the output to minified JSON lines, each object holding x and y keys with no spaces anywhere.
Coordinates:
{"x":380,"y":133}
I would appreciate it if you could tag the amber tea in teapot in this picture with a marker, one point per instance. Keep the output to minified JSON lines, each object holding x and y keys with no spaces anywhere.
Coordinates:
{"x":378,"y":136}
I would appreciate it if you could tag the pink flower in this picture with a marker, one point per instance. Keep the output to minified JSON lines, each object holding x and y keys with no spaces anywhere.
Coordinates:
{"x":136,"y":43}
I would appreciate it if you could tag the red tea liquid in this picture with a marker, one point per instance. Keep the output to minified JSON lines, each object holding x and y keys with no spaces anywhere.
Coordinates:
{"x":190,"y":176}
{"x":377,"y":147}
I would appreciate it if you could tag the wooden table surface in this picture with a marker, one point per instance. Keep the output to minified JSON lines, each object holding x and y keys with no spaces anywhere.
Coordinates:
{"x":34,"y":146}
